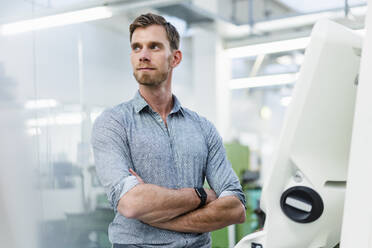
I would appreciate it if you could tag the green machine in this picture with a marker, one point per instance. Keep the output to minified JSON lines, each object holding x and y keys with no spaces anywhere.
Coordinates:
{"x":239,"y":157}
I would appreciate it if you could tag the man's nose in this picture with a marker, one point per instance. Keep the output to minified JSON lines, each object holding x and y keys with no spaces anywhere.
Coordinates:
{"x":145,"y":55}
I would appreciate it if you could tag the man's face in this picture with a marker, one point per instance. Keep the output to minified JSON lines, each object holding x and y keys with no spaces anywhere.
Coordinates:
{"x":151,"y":56}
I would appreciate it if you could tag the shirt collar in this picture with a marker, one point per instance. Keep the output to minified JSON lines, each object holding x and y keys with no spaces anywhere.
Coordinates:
{"x":177,"y":107}
{"x":140,"y":103}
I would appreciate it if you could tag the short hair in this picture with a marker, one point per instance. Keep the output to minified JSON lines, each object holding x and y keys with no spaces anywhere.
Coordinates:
{"x":149,"y":19}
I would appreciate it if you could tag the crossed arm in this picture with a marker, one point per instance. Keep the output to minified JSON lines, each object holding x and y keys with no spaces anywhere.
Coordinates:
{"x":175,"y":209}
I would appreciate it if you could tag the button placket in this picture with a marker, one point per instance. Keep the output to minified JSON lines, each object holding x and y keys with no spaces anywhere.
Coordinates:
{"x":170,"y":121}
{"x":159,"y":120}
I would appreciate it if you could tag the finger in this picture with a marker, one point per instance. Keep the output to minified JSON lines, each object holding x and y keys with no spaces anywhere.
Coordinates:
{"x":136,"y":175}
{"x":133,"y":172}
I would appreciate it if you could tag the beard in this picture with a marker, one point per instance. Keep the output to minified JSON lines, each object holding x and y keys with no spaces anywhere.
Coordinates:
{"x":153,"y":79}
{"x":147,"y":79}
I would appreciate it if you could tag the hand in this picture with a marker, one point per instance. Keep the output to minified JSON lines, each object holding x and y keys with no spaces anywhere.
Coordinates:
{"x":211,"y":195}
{"x":136,"y":175}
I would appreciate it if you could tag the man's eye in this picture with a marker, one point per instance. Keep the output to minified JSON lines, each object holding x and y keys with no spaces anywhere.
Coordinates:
{"x":154,"y":47}
{"x":135,"y":48}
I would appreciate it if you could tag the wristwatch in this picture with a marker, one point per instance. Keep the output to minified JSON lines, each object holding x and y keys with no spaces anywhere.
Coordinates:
{"x":202,"y":195}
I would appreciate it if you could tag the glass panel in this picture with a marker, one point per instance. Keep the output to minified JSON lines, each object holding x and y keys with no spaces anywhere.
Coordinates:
{"x":54,"y":83}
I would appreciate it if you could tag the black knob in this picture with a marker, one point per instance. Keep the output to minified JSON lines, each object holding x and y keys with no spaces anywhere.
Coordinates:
{"x":301,"y":204}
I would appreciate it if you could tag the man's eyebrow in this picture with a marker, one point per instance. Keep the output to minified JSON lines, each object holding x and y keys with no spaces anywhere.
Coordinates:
{"x":135,"y":44}
{"x":150,"y":43}
{"x":157,"y":43}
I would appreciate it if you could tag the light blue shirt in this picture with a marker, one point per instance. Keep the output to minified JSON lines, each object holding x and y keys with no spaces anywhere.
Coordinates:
{"x":180,"y":155}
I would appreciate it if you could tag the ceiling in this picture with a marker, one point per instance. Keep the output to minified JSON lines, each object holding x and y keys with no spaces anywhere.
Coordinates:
{"x":318,"y":5}
{"x":235,"y":20}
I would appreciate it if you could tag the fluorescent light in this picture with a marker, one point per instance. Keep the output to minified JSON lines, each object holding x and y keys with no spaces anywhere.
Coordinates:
{"x":69,"y":118}
{"x":270,"y":47}
{"x":273,"y":47}
{"x":41,"y":103}
{"x":60,"y":119}
{"x":285,"y":60}
{"x":306,"y":19}
{"x":56,"y":20}
{"x":40,"y":122}
{"x":34,"y":131}
{"x":263,"y":81}
{"x":295,"y":21}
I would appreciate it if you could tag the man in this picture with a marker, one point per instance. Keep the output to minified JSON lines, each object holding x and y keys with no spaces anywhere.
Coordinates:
{"x":152,"y":155}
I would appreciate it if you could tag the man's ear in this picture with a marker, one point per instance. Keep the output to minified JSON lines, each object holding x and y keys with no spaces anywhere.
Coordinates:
{"x":177,"y":57}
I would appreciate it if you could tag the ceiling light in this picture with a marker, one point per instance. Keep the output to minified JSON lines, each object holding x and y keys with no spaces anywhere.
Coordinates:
{"x":69,"y":118}
{"x":41,"y":103}
{"x":60,"y":119}
{"x":34,"y":131}
{"x":306,"y":19}
{"x":273,"y":47}
{"x":263,"y":81}
{"x":295,"y":21}
{"x":270,"y":47}
{"x":266,"y":113}
{"x":40,"y":122}
{"x":285,"y":60}
{"x":56,"y":20}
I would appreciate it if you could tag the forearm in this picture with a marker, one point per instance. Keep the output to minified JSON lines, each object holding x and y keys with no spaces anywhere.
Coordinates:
{"x":151,"y":203}
{"x":217,"y":214}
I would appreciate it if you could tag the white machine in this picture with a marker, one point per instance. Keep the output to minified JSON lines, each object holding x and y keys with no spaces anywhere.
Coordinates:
{"x":357,"y":220}
{"x":303,"y":196}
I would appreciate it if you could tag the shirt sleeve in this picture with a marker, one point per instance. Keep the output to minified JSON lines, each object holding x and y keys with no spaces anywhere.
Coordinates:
{"x":220,"y":175}
{"x":111,"y":155}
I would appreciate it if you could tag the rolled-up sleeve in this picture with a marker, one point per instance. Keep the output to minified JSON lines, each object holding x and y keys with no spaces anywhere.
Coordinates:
{"x":112,"y":156}
{"x":220,"y":175}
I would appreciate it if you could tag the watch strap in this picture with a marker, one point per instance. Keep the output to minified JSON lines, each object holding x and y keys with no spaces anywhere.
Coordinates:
{"x":202,"y":195}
